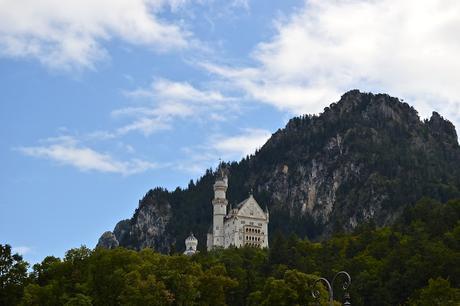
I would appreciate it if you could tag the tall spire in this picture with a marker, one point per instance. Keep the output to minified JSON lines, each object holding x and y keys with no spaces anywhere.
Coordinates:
{"x":221,"y":171}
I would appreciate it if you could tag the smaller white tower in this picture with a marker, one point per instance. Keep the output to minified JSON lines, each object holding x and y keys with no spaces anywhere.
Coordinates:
{"x":190,"y":245}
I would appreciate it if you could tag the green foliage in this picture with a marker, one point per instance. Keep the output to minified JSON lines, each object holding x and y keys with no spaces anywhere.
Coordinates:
{"x":79,"y":300}
{"x":144,"y":290}
{"x":13,"y":276}
{"x":213,"y":285}
{"x":438,"y":293}
{"x":415,"y":262}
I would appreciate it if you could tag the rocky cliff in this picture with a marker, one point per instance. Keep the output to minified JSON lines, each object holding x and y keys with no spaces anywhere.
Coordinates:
{"x":366,"y":157}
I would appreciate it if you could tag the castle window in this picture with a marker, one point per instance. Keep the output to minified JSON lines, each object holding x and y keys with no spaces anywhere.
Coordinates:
{"x":217,"y":227}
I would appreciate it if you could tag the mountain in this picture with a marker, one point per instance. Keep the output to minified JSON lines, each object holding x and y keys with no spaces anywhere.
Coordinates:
{"x":365,"y":158}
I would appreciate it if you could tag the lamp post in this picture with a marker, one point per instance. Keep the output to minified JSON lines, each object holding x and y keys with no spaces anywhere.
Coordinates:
{"x":330,"y":288}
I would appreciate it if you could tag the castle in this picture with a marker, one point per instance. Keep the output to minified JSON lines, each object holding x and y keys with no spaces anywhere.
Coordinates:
{"x":244,"y":225}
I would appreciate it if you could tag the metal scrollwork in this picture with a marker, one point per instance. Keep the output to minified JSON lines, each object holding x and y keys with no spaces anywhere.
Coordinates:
{"x":330,"y":287}
{"x":347,"y":281}
{"x":316,"y":294}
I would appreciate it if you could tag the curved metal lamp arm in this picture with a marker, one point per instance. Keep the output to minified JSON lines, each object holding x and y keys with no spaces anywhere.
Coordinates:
{"x":347,"y":281}
{"x":316,"y":294}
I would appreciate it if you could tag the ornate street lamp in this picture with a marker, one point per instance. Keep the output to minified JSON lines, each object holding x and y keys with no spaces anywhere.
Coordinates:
{"x":330,"y":288}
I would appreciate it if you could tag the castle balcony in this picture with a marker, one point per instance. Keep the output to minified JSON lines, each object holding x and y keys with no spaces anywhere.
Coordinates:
{"x":253,"y":236}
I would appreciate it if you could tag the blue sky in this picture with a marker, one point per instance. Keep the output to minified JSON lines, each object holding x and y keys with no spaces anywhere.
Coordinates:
{"x":102,"y":100}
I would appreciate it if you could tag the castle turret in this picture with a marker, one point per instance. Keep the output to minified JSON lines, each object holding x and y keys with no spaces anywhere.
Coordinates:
{"x":190,"y":245}
{"x":219,"y":208}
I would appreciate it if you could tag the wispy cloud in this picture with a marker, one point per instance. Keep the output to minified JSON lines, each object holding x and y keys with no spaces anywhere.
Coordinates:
{"x":295,"y":97}
{"x":242,"y":144}
{"x":70,"y":34}
{"x":406,"y":48}
{"x":67,"y":151}
{"x":163,"y":102}
{"x":163,"y":89}
{"x":167,"y":101}
{"x":217,"y":147}
{"x":21,"y":250}
{"x":146,"y":123}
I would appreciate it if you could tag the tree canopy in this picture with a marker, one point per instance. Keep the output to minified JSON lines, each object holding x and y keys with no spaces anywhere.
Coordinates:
{"x":415,"y":262}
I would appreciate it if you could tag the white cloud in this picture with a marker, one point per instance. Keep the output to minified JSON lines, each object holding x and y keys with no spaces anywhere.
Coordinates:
{"x":69,"y":34}
{"x":21,"y":250}
{"x":169,"y":101}
{"x":243,"y":144}
{"x":406,"y":48}
{"x":67,"y":151}
{"x":227,"y":148}
{"x":146,"y":125}
{"x":176,"y":91}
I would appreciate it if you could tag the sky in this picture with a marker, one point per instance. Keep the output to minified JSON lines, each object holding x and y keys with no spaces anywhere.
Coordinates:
{"x":102,"y":100}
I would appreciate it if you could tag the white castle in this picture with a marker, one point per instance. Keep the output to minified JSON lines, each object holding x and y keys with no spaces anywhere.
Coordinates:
{"x":244,"y":225}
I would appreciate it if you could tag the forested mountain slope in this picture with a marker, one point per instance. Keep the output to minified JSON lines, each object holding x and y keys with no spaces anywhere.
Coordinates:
{"x":366,"y":157}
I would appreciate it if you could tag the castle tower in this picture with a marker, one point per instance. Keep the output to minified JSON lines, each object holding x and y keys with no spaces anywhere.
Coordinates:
{"x":219,"y":204}
{"x":190,"y":245}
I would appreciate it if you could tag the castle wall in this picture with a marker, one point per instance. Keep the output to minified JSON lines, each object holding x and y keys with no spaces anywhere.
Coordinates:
{"x":246,"y":231}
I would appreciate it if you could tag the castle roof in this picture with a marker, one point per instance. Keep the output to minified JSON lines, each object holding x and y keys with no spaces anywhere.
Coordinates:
{"x":241,"y":204}
{"x":191,"y":238}
{"x":253,"y":207}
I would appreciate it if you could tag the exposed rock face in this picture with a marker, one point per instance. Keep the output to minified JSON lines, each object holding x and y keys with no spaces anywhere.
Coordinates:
{"x":364,"y":158}
{"x":146,"y":229}
{"x":108,"y":241}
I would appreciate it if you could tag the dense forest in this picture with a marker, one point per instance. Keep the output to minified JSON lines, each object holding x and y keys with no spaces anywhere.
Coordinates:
{"x":416,"y":261}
